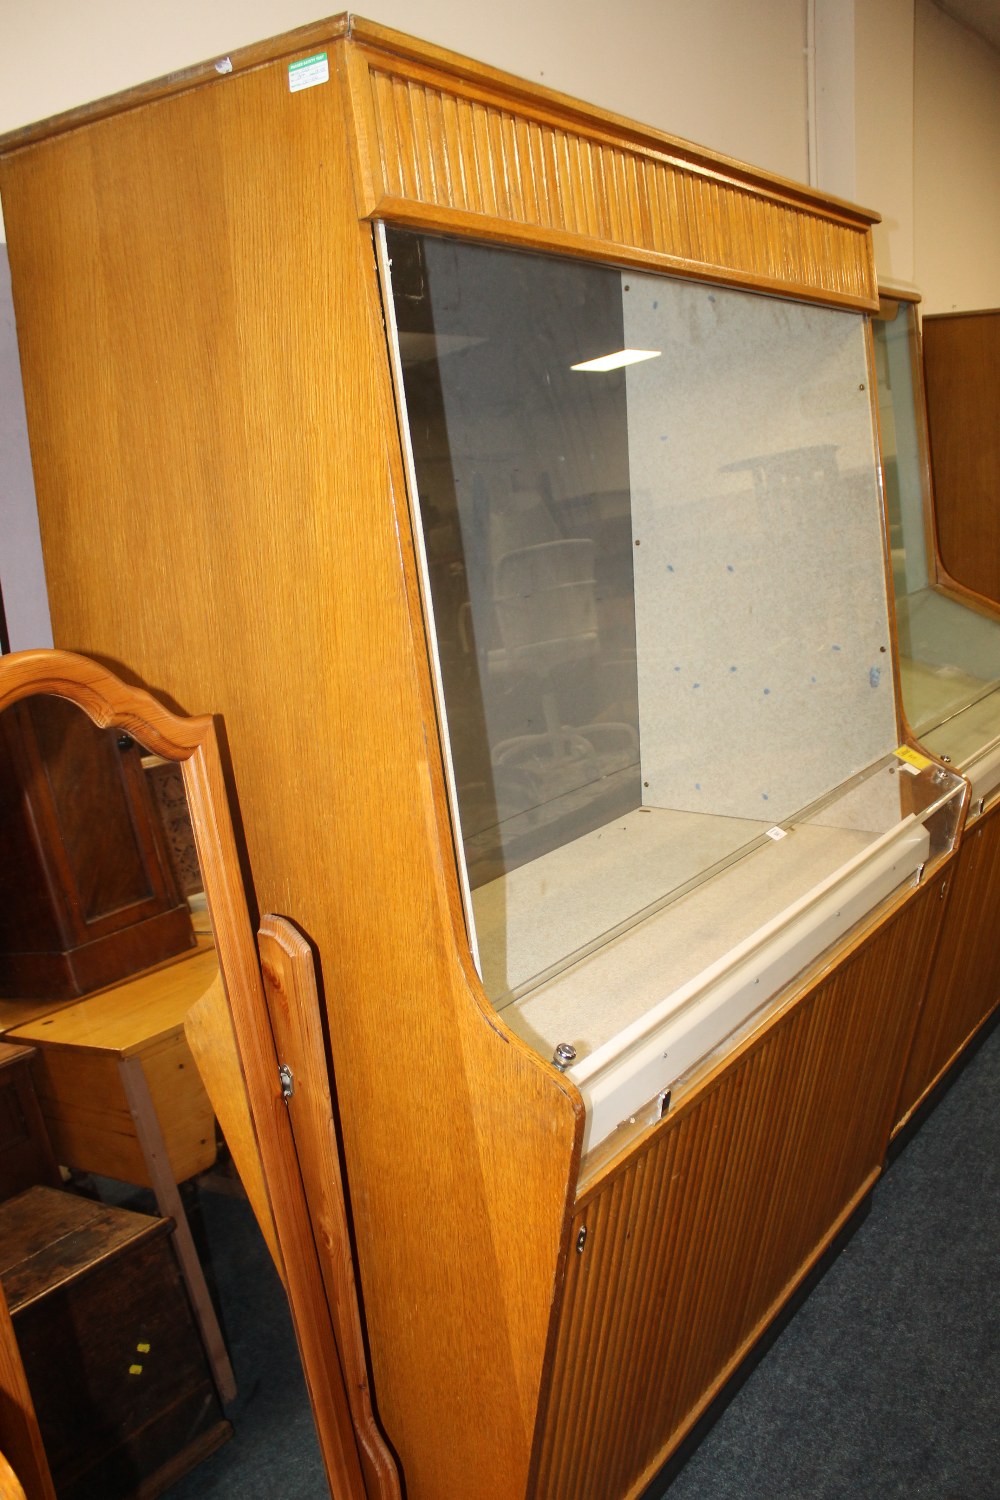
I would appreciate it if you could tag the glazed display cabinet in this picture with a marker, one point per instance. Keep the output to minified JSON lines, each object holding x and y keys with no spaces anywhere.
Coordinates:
{"x":949,"y":654}
{"x":505,"y":474}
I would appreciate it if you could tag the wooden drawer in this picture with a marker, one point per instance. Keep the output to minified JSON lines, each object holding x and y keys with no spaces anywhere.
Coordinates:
{"x":83,"y":1102}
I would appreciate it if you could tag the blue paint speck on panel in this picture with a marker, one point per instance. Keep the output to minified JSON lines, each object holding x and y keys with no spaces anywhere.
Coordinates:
{"x":875,"y":676}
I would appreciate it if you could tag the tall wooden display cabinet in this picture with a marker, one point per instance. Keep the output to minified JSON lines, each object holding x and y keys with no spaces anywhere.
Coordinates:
{"x":618,"y":1011}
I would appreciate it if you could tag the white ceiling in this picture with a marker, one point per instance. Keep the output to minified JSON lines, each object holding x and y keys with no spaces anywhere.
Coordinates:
{"x":982,"y":16}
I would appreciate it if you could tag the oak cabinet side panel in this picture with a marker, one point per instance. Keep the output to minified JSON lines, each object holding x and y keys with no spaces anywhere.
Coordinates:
{"x":962,"y":374}
{"x":207,"y":397}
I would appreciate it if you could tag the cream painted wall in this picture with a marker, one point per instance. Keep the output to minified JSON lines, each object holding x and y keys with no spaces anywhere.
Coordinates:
{"x":956,"y":165}
{"x":830,"y":120}
{"x":883,"y":125}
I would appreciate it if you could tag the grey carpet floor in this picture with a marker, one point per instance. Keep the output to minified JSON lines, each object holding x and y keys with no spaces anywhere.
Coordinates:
{"x":884,"y":1386}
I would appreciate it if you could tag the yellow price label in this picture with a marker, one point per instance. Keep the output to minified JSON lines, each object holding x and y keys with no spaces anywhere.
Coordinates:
{"x":913,"y":758}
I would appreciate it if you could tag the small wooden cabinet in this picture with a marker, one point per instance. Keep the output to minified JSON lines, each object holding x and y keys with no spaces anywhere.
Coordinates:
{"x":87,"y":890}
{"x":117,"y":1372}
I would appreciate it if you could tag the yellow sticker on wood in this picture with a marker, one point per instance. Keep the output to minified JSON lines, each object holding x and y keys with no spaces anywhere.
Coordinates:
{"x":913,"y":757}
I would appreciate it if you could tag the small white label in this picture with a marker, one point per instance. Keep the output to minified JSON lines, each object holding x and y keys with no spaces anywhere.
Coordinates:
{"x":913,"y":770}
{"x":777,"y":833}
{"x":308,"y":72}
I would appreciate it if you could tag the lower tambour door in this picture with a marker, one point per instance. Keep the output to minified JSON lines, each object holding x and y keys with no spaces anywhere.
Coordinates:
{"x":683,"y":1252}
{"x":964,"y":986}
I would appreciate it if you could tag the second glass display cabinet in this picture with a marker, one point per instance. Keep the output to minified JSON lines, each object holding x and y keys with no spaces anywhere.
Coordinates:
{"x":949,"y":655}
{"x":647,"y":513}
{"x":949,"y":638}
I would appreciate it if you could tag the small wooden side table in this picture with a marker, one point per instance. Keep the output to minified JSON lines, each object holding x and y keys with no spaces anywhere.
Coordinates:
{"x":117,"y":1372}
{"x":121,"y":1097}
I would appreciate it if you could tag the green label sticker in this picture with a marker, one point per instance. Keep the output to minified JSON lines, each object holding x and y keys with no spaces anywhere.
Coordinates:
{"x":308,"y":72}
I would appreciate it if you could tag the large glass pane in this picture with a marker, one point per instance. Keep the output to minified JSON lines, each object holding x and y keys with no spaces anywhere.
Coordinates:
{"x":656,"y":580}
{"x":523,"y":473}
{"x":949,"y":652}
{"x":651,"y":541}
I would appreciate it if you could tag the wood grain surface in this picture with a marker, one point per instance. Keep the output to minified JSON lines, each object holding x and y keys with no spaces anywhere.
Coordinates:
{"x":962,"y":373}
{"x":260,"y":449}
{"x":208,"y":1027}
{"x":697,"y":1239}
{"x":23,"y":1449}
{"x":964,"y":987}
{"x":494,"y":157}
{"x":293,"y":1004}
{"x":224,"y":516}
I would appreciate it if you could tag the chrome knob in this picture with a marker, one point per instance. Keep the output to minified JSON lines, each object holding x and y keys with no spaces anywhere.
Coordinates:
{"x":563,"y":1056}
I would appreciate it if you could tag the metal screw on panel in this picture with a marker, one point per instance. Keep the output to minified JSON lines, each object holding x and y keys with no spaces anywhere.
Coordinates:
{"x":581,"y":1240}
{"x":563,"y":1056}
{"x":286,"y":1080}
{"x":125,"y":741}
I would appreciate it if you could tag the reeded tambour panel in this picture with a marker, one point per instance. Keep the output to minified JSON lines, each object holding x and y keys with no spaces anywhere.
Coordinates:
{"x":964,"y":986}
{"x":694,"y":1244}
{"x":493,"y":162}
